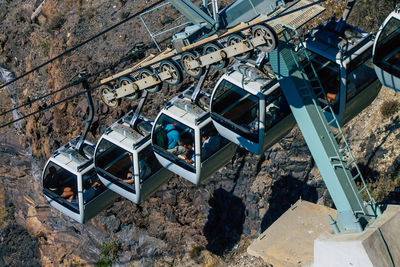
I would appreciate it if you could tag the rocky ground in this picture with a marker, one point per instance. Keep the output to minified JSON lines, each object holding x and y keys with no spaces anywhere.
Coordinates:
{"x":181,"y":224}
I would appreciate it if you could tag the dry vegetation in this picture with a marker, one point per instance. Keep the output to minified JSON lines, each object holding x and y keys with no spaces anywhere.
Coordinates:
{"x":389,"y":108}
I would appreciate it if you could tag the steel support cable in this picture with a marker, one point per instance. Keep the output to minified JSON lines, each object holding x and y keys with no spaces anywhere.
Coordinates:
{"x":67,"y":86}
{"x":66,"y":99}
{"x":81,"y":44}
{"x":48,"y":107}
{"x":58,"y":90}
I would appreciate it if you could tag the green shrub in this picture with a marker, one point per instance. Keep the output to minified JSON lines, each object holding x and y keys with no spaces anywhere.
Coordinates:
{"x":195,"y":252}
{"x":56,"y":23}
{"x":108,"y":252}
{"x":389,"y":108}
{"x":45,"y":45}
{"x":382,"y":187}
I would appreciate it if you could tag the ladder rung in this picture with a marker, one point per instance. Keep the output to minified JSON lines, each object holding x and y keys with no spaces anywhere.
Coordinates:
{"x":311,"y":78}
{"x":338,"y":135}
{"x":325,"y":108}
{"x":350,"y":162}
{"x":362,"y":189}
{"x":320,"y":98}
{"x":307,"y":64}
{"x":332,"y":121}
{"x":358,"y":175}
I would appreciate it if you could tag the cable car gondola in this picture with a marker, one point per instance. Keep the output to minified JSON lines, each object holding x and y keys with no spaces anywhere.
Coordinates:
{"x":343,"y":63}
{"x":237,"y":100}
{"x":71,"y":184}
{"x":386,"y":51}
{"x":185,"y":140}
{"x":125,"y":161}
{"x":346,"y":73}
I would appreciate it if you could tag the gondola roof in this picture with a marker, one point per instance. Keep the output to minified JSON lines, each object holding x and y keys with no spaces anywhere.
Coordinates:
{"x":325,"y":41}
{"x":122,"y":134}
{"x":183,"y":107}
{"x":68,"y":155}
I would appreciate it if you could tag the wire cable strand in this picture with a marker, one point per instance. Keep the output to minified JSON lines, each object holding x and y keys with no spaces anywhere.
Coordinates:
{"x":81,"y":44}
{"x":48,"y":107}
{"x":61,"y":89}
{"x":111,"y":66}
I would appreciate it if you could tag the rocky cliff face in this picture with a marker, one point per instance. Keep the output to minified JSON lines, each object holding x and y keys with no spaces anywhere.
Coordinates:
{"x":181,"y":224}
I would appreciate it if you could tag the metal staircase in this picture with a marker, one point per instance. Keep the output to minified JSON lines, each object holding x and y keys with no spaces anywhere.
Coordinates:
{"x":309,"y":103}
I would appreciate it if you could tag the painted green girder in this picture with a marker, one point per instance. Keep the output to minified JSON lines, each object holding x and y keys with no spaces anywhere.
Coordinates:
{"x":338,"y":169}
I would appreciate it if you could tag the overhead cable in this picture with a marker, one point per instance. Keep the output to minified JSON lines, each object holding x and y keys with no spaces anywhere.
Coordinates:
{"x":48,"y":107}
{"x":91,"y":75}
{"x":81,"y":44}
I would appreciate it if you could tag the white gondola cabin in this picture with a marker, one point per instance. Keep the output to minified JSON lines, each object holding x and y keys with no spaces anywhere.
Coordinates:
{"x":344,"y":67}
{"x":71,"y":184}
{"x":237,"y":100}
{"x":185,"y":140}
{"x":386,"y":51}
{"x":125,"y":161}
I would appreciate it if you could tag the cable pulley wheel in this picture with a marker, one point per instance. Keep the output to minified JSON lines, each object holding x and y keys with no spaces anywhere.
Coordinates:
{"x":173,"y":69}
{"x":144,"y":73}
{"x":105,"y":90}
{"x":237,"y":38}
{"x":124,"y":80}
{"x":269,"y":35}
{"x":212,"y":47}
{"x":188,"y":57}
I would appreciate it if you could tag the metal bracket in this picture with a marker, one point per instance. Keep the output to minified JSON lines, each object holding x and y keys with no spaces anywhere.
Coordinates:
{"x":197,"y":90}
{"x":89,"y":119}
{"x":135,"y":116}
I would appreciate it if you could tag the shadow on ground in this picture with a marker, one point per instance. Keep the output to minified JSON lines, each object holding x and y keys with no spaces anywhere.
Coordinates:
{"x":225,"y":222}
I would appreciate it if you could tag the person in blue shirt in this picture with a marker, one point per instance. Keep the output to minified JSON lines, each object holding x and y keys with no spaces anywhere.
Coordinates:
{"x":175,"y":145}
{"x":173,"y":135}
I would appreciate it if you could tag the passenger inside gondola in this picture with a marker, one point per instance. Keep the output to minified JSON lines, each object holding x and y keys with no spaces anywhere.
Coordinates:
{"x":175,"y":146}
{"x":130,"y":178}
{"x":175,"y":138}
{"x":115,"y":161}
{"x":148,"y":164}
{"x":188,"y":153}
{"x":92,"y":186}
{"x":276,"y":108}
{"x":211,"y":141}
{"x":61,"y":183}
{"x":329,"y":74}
{"x":237,"y":106}
{"x":90,"y":191}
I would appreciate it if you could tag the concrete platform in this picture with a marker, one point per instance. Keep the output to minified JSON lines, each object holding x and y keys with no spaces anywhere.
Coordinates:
{"x":289,"y":241}
{"x":378,"y":245}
